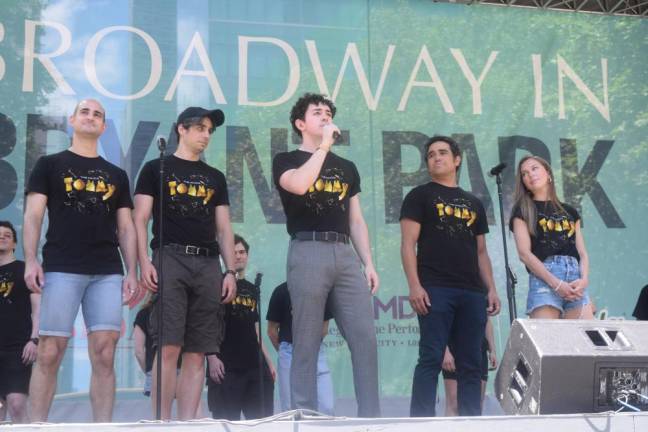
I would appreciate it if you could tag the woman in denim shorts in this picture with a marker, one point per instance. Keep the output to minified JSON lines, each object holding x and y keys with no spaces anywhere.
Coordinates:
{"x":550,"y":244}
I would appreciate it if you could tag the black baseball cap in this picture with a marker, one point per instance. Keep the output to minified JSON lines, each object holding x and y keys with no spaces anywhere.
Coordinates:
{"x":216,"y":116}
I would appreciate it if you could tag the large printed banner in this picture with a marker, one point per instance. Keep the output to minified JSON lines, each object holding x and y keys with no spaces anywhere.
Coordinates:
{"x":571,"y":88}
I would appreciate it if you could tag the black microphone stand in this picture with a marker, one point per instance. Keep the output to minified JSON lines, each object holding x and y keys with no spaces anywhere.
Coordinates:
{"x":257,"y":288}
{"x":511,"y":279}
{"x":158,"y":393}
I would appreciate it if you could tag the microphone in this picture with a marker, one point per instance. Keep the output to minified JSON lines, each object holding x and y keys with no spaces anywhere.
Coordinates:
{"x":497,"y":169}
{"x":161,"y":143}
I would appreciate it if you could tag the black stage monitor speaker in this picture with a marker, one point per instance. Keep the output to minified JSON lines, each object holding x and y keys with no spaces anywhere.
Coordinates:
{"x":574,"y":366}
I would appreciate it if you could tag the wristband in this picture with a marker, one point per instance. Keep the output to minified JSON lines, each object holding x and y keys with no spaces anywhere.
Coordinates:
{"x":558,"y":286}
{"x":230,"y":271}
{"x":34,"y":340}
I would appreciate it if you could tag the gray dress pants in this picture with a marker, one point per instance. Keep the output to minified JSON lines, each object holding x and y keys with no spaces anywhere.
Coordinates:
{"x":317,"y":270}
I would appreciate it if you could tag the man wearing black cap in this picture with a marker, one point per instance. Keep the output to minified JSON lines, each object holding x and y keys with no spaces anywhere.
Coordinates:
{"x":197,"y":229}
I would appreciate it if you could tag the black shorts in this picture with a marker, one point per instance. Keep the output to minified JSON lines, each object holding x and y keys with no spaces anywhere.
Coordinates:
{"x":193,"y":313}
{"x":447,"y":375}
{"x":14,"y":374}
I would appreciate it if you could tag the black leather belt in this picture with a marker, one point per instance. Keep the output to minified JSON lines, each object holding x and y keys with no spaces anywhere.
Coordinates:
{"x":325,"y":236}
{"x":194,"y":250}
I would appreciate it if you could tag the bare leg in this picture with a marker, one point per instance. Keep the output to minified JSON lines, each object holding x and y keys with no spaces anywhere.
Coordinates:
{"x":451,"y":404}
{"x":101,"y":349}
{"x":43,"y":380}
{"x":545,"y":312}
{"x":191,"y":382}
{"x":170,"y":355}
{"x":582,"y":312}
{"x":17,"y":407}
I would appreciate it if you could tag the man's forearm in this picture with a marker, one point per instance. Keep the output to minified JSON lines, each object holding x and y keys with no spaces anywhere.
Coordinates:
{"x":31,"y":236}
{"x":486,"y":270}
{"x":360,"y":239}
{"x":128,"y":247}
{"x":141,"y":233}
{"x":408,"y":257}
{"x":226,"y":246}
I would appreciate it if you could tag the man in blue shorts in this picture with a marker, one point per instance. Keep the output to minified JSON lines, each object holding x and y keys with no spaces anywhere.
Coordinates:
{"x":89,"y":207}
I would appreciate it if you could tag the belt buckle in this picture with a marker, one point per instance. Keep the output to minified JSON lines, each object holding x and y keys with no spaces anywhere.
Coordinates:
{"x":191,"y":250}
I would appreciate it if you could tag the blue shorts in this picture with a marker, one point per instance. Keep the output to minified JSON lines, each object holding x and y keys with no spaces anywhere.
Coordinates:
{"x":565,"y":268}
{"x":63,"y":293}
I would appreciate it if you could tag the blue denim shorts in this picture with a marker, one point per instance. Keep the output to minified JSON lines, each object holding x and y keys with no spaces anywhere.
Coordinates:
{"x":63,"y":293}
{"x":565,"y":268}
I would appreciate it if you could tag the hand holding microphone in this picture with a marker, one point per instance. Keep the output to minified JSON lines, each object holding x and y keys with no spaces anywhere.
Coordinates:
{"x":330,"y":133}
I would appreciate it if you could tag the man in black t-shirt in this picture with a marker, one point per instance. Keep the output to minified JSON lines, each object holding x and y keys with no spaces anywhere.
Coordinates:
{"x":234,"y":383}
{"x":196,"y":231}
{"x":18,"y":328}
{"x":320,"y":194}
{"x":89,"y":207}
{"x":641,"y":308}
{"x":279,"y":318}
{"x":449,"y":276}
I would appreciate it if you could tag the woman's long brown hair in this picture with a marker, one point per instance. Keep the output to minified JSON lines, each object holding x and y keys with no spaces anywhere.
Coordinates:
{"x":524,"y":197}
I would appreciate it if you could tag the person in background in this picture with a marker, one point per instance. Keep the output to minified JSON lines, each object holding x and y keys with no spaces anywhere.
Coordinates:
{"x":18,"y":329}
{"x":234,"y":378}
{"x":488,"y":362}
{"x":279,"y":318}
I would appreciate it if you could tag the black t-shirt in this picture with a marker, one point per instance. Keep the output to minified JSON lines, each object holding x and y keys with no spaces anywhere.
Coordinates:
{"x":193,"y":190}
{"x":325,"y":206}
{"x":641,"y":309}
{"x":240,"y":347}
{"x":555,"y":230}
{"x":280,"y":311}
{"x":450,"y":219}
{"x":15,"y":307}
{"x":142,"y":321}
{"x":83,"y":195}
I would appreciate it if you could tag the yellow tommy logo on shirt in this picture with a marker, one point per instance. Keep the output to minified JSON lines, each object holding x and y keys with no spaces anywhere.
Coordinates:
{"x":459,"y":212}
{"x":191,"y":189}
{"x":330,"y":185}
{"x":5,"y":288}
{"x":90,"y":184}
{"x":560,"y":225}
{"x":248,"y":302}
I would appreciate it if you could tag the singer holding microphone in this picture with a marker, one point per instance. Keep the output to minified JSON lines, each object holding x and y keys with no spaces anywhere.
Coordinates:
{"x":196,"y":230}
{"x":450,"y":278}
{"x":319,"y":192}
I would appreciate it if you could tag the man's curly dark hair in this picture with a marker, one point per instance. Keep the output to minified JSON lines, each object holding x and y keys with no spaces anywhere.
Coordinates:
{"x":298,"y":111}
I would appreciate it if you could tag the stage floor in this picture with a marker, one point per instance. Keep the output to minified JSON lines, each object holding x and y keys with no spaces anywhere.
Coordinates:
{"x":295,"y":421}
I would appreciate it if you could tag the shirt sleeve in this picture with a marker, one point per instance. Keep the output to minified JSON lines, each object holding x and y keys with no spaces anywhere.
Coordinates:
{"x":275,"y":312}
{"x":221,"y":195}
{"x":413,"y":207}
{"x":572,"y":212}
{"x":280,"y":164}
{"x":146,"y":184}
{"x":354,"y":188}
{"x":482,"y":220}
{"x":38,"y":179}
{"x":641,"y":309}
{"x":516,"y":213}
{"x":124,"y":199}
